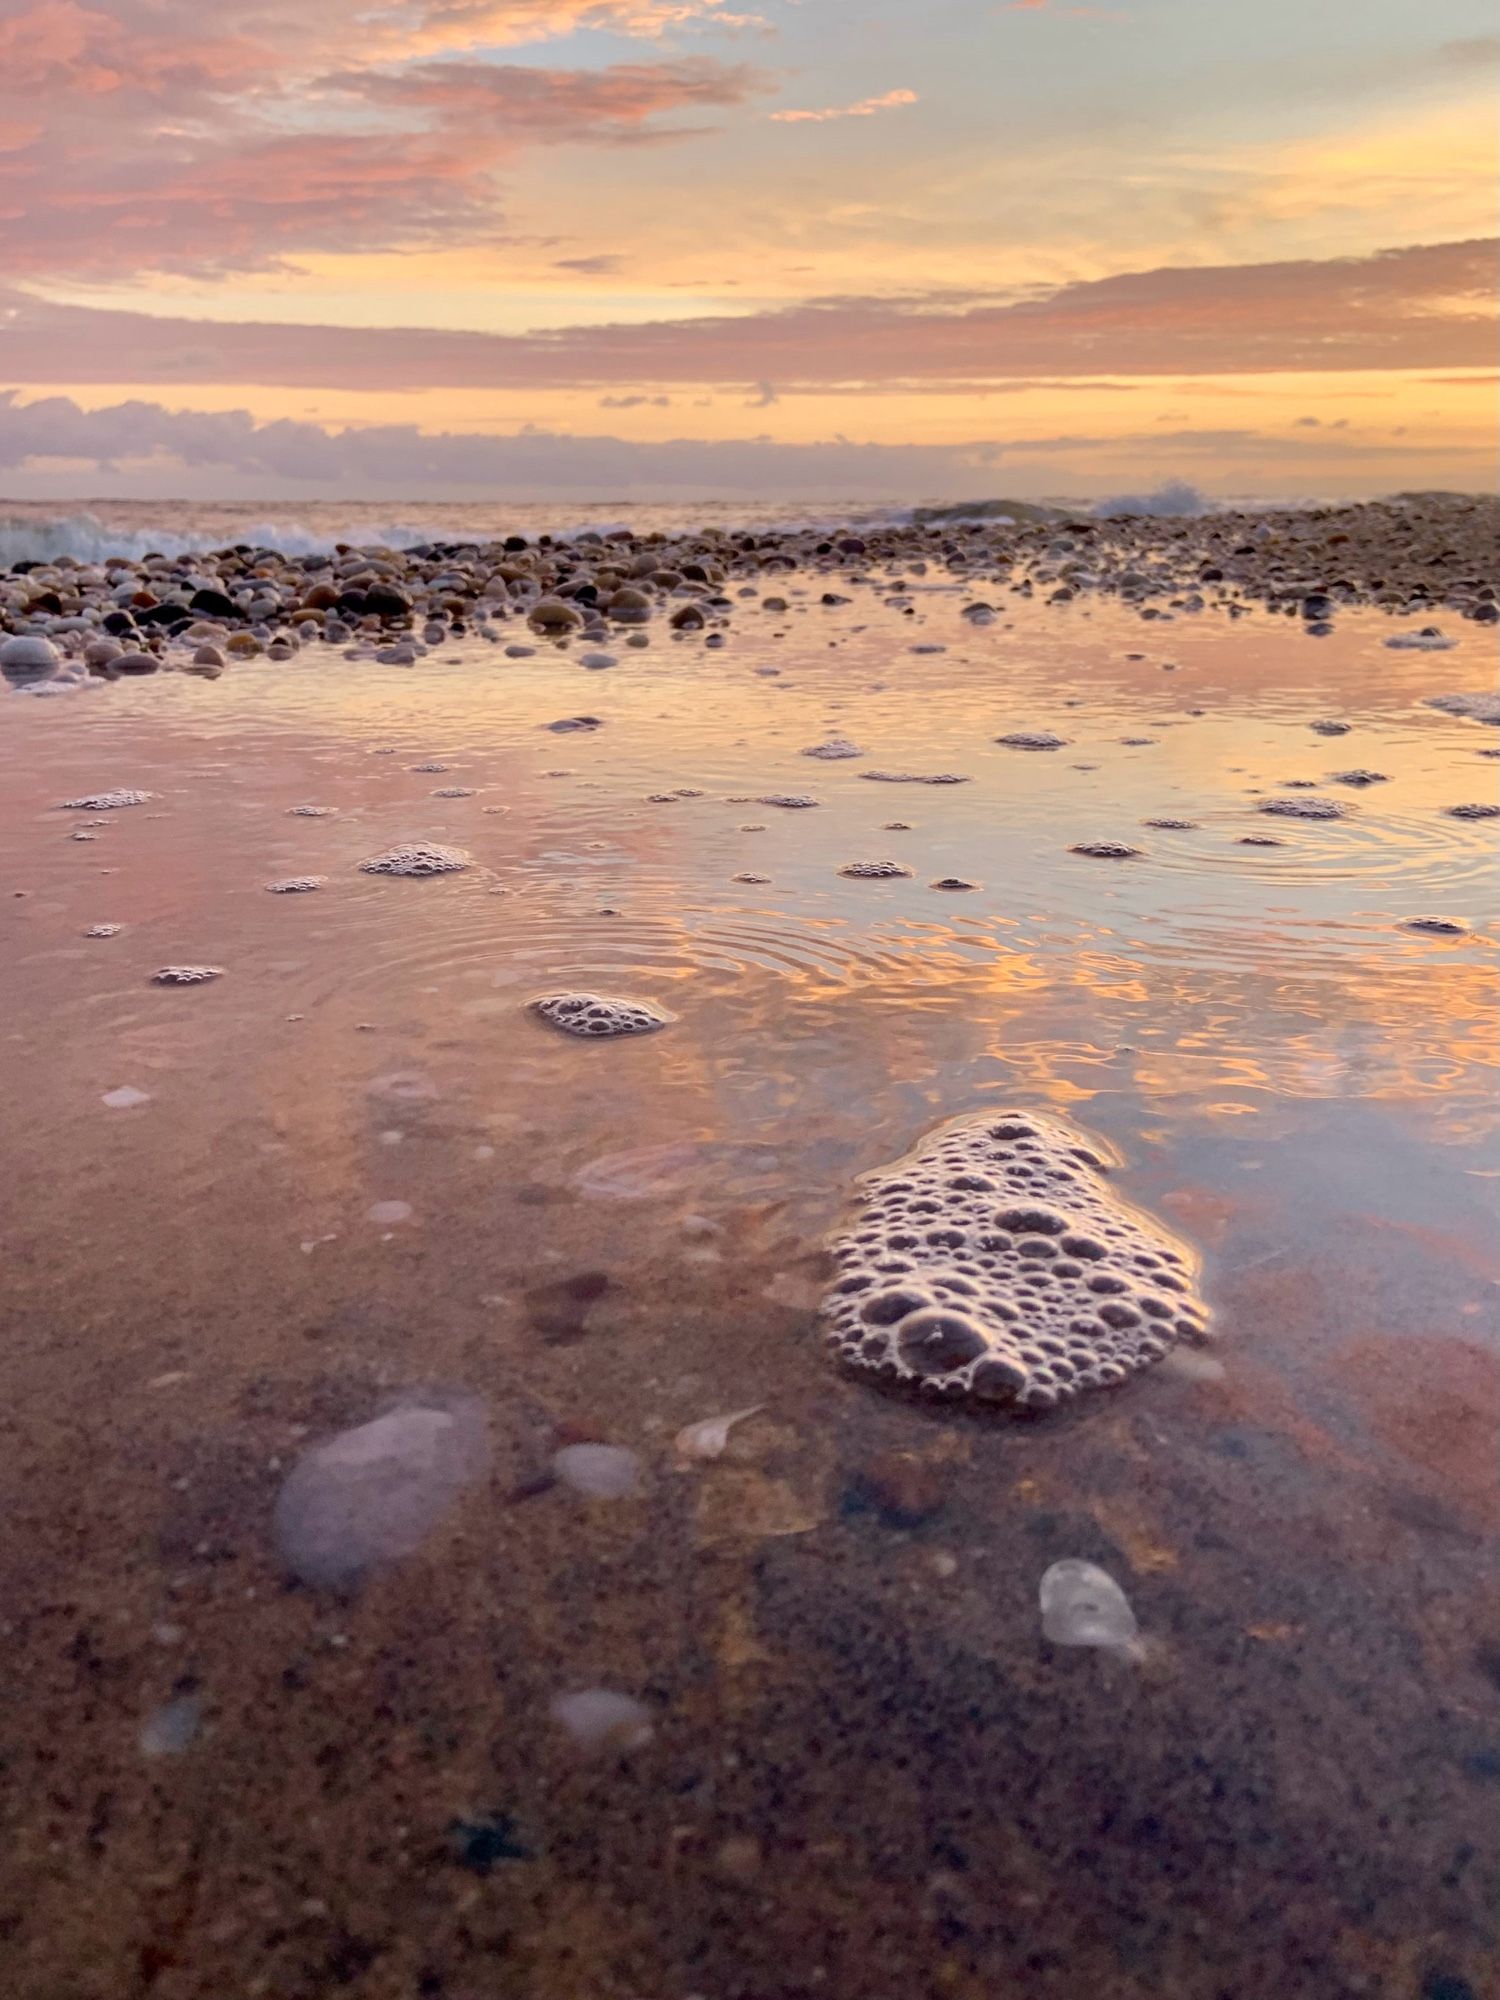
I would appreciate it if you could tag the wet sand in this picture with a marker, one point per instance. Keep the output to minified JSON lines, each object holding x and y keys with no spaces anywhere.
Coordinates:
{"x":868,"y":1772}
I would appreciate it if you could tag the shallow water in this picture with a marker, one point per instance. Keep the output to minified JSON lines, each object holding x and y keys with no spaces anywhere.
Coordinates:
{"x":362,"y":1166}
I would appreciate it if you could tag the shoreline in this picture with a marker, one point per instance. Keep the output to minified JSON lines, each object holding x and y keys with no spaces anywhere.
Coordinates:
{"x":136,"y":614}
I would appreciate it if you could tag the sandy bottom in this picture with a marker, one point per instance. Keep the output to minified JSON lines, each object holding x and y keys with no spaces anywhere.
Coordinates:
{"x":244,"y":1214}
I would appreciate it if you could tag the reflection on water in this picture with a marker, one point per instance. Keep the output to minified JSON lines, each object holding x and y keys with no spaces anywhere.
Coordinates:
{"x":778,"y":1718}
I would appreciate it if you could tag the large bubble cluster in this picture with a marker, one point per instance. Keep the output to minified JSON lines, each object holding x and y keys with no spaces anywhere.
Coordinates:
{"x":994,"y":1263}
{"x":596,"y":1016}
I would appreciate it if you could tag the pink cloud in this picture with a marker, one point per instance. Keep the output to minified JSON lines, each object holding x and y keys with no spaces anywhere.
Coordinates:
{"x":139,"y":446}
{"x":1430,"y":306}
{"x":866,"y":108}
{"x":152,"y":142}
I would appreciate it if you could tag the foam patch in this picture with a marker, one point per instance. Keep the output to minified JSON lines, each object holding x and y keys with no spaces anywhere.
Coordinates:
{"x":1302,"y":808}
{"x":420,"y":857}
{"x":915,"y":777}
{"x":98,"y":802}
{"x":597,"y":1016}
{"x":186,"y":975}
{"x":994,"y":1263}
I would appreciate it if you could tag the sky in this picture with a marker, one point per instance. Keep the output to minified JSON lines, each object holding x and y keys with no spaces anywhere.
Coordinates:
{"x":745,"y":249}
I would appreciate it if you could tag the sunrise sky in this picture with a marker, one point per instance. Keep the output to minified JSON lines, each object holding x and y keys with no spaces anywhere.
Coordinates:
{"x":758,"y":249}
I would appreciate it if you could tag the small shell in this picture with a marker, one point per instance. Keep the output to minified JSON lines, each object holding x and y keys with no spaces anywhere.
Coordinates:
{"x":710,"y":1435}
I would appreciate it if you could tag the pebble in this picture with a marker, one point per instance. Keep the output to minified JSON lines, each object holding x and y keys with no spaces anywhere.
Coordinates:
{"x":1082,"y":1605}
{"x":370,"y":1496}
{"x":600,"y":1719}
{"x":600,"y":1471}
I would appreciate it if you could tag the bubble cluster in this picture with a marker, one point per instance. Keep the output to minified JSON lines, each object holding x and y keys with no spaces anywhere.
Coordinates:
{"x":992,"y":1262}
{"x":94,"y":802}
{"x":792,"y":801}
{"x":1172,"y":825}
{"x":1302,"y":808}
{"x":1359,"y":778}
{"x":1481,"y":809}
{"x":1032,"y":739}
{"x":1483,"y":707}
{"x":420,"y":857}
{"x":916,"y":777}
{"x":296,"y":885}
{"x":597,"y":1016}
{"x":186,"y":975}
{"x":834,"y":750}
{"x":312,"y":812}
{"x":1105,"y":850}
{"x":873,"y":871}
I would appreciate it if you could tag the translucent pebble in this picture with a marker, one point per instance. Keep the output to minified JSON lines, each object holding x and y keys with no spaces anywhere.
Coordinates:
{"x":369,"y":1496}
{"x":126,"y":1098}
{"x":1083,"y":1606}
{"x":602,"y":1719}
{"x":601,"y":1471}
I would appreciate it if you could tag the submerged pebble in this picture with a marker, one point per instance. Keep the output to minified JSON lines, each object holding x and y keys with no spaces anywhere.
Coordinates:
{"x":371,"y":1495}
{"x":599,"y":1719}
{"x":599,"y":1471}
{"x":1082,"y":1605}
{"x":170,"y":1730}
{"x":126,"y":1098}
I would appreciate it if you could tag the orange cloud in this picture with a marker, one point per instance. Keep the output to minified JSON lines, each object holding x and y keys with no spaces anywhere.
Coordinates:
{"x":1431,"y":306}
{"x":866,"y":108}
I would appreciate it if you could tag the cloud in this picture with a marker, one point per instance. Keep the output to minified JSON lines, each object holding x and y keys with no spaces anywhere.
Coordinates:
{"x":143,"y":448}
{"x":866,"y":108}
{"x":154,"y":142}
{"x":1429,"y":307}
{"x":635,"y":402}
{"x":603,"y":265}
